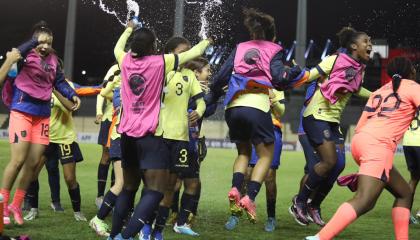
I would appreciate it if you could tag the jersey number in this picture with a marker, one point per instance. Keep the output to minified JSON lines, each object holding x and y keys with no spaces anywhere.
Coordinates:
{"x":65,"y":149}
{"x":183,"y":156}
{"x":383,"y":110}
{"x":179,"y":89}
{"x":45,"y":129}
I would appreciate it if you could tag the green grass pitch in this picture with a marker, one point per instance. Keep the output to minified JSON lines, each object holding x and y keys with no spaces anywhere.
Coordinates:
{"x":213,"y":210}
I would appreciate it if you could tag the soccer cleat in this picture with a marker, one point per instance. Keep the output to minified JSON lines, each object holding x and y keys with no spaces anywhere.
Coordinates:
{"x":185,"y":229}
{"x":99,"y":226}
{"x":299,"y":212}
{"x":32,"y":214}
{"x":17,"y":214}
{"x":6,"y":213}
{"x":232,"y":222}
{"x":145,"y":232}
{"x":349,"y":180}
{"x":56,"y":207}
{"x":80,"y":217}
{"x":270,"y":225}
{"x":98,"y":202}
{"x":413,"y":220}
{"x":172,"y":219}
{"x":234,"y":197}
{"x":119,"y":237}
{"x":250,"y":208}
{"x":418,"y":214}
{"x":158,"y":236}
{"x":312,"y":238}
{"x":314,"y":215}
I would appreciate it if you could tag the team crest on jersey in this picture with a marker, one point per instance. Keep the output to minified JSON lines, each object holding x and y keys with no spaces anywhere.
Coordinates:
{"x":137,"y":84}
{"x":327,"y":133}
{"x":23,"y":133}
{"x":252,"y":56}
{"x":185,"y":78}
{"x":350,"y":74}
{"x":47,"y":67}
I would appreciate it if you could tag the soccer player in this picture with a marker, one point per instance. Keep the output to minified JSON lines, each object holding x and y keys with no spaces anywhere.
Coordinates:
{"x":29,"y":103}
{"x":277,"y":110}
{"x":321,"y":119}
{"x":180,"y":85}
{"x":411,"y":146}
{"x":144,"y":155}
{"x":257,"y":67}
{"x":104,"y":118}
{"x":64,"y":148}
{"x":111,"y":92}
{"x":387,"y":115}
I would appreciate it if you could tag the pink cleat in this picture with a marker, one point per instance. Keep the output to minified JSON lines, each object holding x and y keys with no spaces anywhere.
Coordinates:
{"x":17,"y":214}
{"x":250,"y":208}
{"x":6,"y":218}
{"x":235,"y":207}
{"x":349,"y":180}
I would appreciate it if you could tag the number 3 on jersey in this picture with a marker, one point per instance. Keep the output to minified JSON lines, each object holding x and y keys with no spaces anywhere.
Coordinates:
{"x":179,"y":89}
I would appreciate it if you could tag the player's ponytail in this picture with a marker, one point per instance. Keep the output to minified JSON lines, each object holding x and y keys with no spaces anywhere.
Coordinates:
{"x":399,"y":68}
{"x":41,"y":27}
{"x":260,"y":25}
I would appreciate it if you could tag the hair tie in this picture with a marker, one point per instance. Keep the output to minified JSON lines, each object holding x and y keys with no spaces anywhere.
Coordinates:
{"x":396,"y":76}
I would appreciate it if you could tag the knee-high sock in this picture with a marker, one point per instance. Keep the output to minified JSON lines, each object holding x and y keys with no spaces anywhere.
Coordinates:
{"x":163,"y":214}
{"x":187,"y":205}
{"x":53,"y":179}
{"x":238,"y":180}
{"x":400,"y":218}
{"x":18,"y":198}
{"x":102,"y":177}
{"x":144,"y":209}
{"x":32,"y":194}
{"x":313,"y":182}
{"x":107,"y":205}
{"x":343,"y":217}
{"x":175,"y":202}
{"x":123,"y":206}
{"x":75,"y":198}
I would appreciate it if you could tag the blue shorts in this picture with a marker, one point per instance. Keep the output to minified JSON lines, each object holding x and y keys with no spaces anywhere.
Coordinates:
{"x":184,"y":162}
{"x":115,"y":150}
{"x":319,"y":131}
{"x":278,"y":144}
{"x":249,"y":124}
{"x":310,"y":154}
{"x":66,"y":153}
{"x":104,"y":132}
{"x":412,"y":157}
{"x":148,"y":152}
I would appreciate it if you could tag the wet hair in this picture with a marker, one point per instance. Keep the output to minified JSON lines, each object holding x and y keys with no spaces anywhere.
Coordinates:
{"x":174,"y":42}
{"x":348,"y":36}
{"x":41,"y":27}
{"x":143,"y":42}
{"x":399,"y":68}
{"x":197,"y":64}
{"x":260,"y":25}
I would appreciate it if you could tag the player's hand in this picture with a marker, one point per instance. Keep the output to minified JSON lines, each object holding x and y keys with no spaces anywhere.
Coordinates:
{"x":193,"y":116}
{"x":98,"y":118}
{"x":13,"y":56}
{"x":131,"y":24}
{"x":77,"y":102}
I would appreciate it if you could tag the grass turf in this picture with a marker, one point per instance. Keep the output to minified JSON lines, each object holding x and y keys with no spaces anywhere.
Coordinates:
{"x":213,"y":210}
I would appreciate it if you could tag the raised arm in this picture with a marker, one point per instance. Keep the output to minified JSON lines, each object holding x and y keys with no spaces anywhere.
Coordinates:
{"x":11,"y":57}
{"x":122,"y":41}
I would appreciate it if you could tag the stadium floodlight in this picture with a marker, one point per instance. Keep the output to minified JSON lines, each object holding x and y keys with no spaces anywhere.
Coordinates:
{"x":219,"y":57}
{"x":290,"y":52}
{"x":1,"y":57}
{"x":84,"y":72}
{"x":309,"y":49}
{"x":326,"y":49}
{"x":213,"y":58}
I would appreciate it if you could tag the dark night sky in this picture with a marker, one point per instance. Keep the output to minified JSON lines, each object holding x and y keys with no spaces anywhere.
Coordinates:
{"x":398,"y":21}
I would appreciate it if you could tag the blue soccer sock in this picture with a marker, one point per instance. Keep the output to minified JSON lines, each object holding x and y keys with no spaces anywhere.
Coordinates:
{"x":162,"y":216}
{"x":107,"y":205}
{"x":75,"y":198}
{"x":143,"y":211}
{"x":32,"y":194}
{"x":187,"y":205}
{"x":253,"y":189}
{"x":313,"y":182}
{"x":123,"y":206}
